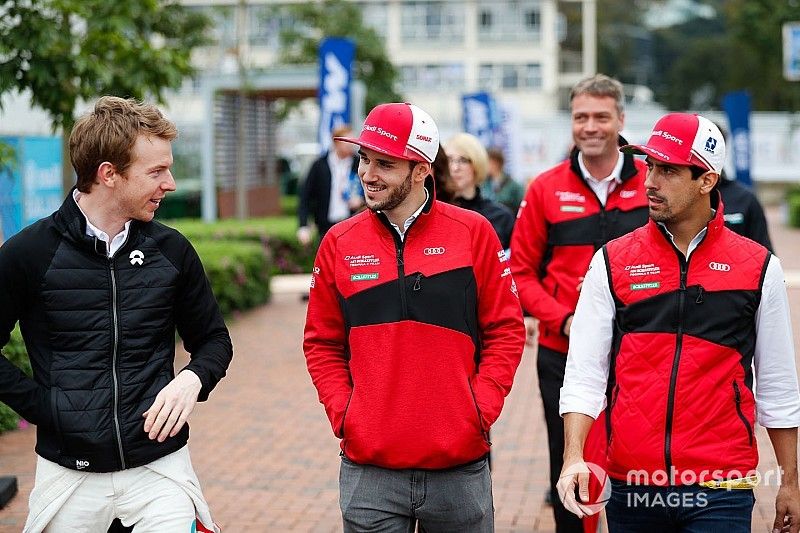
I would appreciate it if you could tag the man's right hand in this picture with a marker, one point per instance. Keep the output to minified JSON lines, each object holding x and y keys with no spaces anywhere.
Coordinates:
{"x":304,"y":235}
{"x":575,"y":473}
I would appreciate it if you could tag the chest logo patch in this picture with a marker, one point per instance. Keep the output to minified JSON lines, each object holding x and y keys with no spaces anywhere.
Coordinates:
{"x":719,"y":267}
{"x":645,"y":269}
{"x":568,"y":196}
{"x":627,"y":193}
{"x":573,"y":208}
{"x":364,"y":277}
{"x":436,"y":250}
{"x":136,"y":257}
{"x":360,"y":260}
{"x":644,"y":286}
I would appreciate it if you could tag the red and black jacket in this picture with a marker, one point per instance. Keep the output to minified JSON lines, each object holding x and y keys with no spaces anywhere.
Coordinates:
{"x":680,"y":384}
{"x":413,"y":345}
{"x":560,"y":225}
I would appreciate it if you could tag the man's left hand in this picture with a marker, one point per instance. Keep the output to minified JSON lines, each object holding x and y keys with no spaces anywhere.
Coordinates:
{"x":172,"y":406}
{"x":787,"y":510}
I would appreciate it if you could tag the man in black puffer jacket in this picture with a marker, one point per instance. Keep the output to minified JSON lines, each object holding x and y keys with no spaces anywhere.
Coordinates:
{"x":99,"y":290}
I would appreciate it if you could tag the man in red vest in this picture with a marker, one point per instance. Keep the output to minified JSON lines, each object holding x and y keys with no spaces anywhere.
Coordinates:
{"x":674,"y":322}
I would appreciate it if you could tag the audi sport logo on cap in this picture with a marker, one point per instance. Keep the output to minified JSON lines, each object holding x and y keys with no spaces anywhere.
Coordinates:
{"x":684,"y":139}
{"x":399,"y":130}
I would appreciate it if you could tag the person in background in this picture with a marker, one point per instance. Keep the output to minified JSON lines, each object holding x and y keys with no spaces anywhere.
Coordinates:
{"x":682,"y":335}
{"x":468,"y":163}
{"x":743,"y":211}
{"x":328,"y":193}
{"x":570,"y":211}
{"x":100,"y":289}
{"x":499,"y":186}
{"x":413,"y":335}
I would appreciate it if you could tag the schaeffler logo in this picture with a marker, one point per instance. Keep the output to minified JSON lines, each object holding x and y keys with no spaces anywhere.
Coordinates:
{"x":719,"y":267}
{"x":596,"y":501}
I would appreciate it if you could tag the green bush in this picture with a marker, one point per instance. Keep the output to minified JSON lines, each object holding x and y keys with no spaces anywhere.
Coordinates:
{"x":238,"y":271}
{"x":289,"y":204}
{"x":794,"y":211}
{"x":15,"y":352}
{"x":276,"y":234}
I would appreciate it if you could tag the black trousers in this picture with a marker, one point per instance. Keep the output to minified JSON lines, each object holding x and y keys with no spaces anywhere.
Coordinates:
{"x":550,"y":366}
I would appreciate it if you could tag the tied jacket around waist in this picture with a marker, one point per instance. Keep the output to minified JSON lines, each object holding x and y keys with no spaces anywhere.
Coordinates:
{"x":100,"y":334}
{"x":413,"y":344}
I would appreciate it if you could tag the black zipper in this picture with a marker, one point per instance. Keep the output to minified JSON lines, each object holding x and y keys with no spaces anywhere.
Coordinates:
{"x":673,"y":379}
{"x":401,"y":275}
{"x":738,"y":397}
{"x":614,"y":397}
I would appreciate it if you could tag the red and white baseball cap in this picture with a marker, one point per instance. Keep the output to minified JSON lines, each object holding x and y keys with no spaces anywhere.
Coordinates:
{"x":684,"y":139}
{"x":399,"y":130}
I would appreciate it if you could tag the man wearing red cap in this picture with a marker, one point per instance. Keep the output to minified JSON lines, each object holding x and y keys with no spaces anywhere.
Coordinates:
{"x":672,"y":321}
{"x":412,"y":338}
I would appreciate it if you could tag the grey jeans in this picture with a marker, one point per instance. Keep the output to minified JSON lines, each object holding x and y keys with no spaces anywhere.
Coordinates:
{"x":381,"y":500}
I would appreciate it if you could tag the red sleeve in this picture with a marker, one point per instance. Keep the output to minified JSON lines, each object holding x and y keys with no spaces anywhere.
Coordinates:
{"x":324,"y":338}
{"x":502,"y":331}
{"x":528,"y":246}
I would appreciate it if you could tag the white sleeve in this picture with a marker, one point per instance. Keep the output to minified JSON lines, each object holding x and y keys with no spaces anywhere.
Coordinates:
{"x":776,"y":389}
{"x":590,"y":338}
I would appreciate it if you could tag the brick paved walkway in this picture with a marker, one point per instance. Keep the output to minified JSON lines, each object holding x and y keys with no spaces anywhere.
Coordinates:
{"x":268,"y":462}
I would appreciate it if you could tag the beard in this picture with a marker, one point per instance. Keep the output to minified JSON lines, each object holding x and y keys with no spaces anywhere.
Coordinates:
{"x":396,"y":197}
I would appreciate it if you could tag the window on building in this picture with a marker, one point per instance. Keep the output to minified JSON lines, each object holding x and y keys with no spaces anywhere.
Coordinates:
{"x":423,"y":22}
{"x":432,"y":77}
{"x":516,"y":20}
{"x":509,"y":76}
{"x":375,"y":16}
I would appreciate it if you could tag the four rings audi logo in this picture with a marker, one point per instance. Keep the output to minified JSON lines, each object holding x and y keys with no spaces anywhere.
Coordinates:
{"x":722,"y":267}
{"x":434,"y":251}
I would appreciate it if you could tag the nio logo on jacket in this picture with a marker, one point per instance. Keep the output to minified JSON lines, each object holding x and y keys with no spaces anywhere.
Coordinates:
{"x":81,"y":464}
{"x":437,"y":250}
{"x":720,"y":267}
{"x":136,"y":257}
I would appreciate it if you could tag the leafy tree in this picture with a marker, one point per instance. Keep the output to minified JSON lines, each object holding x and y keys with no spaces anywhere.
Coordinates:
{"x":340,"y":18}
{"x":756,"y":42}
{"x":65,"y":51}
{"x":622,"y":40}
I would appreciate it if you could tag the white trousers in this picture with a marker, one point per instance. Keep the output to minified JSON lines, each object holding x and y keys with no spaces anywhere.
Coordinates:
{"x":158,"y":497}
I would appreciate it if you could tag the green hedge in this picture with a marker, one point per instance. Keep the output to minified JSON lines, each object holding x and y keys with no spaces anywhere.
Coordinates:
{"x":15,"y":351}
{"x":239,"y":273}
{"x":278,"y":236}
{"x":793,"y":206}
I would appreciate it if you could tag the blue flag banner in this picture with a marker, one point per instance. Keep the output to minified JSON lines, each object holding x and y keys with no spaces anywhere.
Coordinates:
{"x":335,"y":63}
{"x":30,"y":187}
{"x":479,"y":115}
{"x":737,"y":108}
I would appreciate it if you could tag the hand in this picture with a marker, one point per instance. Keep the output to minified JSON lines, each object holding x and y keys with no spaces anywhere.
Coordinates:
{"x":568,"y":326}
{"x":530,"y":331}
{"x":787,"y":510}
{"x":580,"y":284}
{"x":575,"y":473}
{"x":172,"y":406}
{"x":304,"y":235}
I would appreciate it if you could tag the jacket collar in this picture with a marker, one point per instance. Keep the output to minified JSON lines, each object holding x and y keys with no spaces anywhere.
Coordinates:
{"x":628,"y":162}
{"x":72,"y":224}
